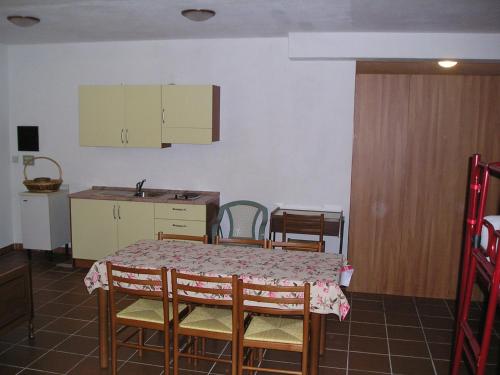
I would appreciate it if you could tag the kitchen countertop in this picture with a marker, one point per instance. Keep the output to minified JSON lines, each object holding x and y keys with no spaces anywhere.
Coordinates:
{"x":167,"y":196}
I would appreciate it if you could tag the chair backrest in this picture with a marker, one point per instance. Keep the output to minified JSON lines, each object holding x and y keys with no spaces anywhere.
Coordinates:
{"x":241,"y":242}
{"x":306,"y":224}
{"x":243,"y":216}
{"x":182,"y":237}
{"x":141,"y":282}
{"x":275,"y":298}
{"x":208,"y":290}
{"x":315,"y":246}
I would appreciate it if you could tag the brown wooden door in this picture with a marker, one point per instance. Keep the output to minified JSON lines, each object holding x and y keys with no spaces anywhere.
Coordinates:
{"x":413,"y":137}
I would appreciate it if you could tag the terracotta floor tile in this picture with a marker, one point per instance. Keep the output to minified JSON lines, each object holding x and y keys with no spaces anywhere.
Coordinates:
{"x":90,"y":366}
{"x":409,"y":348}
{"x":410,"y":320}
{"x":53,"y":309}
{"x":44,"y":340}
{"x":9,"y":370}
{"x":405,"y":333}
{"x":334,"y":358}
{"x":21,"y":355}
{"x":78,"y":345}
{"x":367,"y":316}
{"x":65,"y":325}
{"x":338,"y":342}
{"x":438,"y":322}
{"x":131,"y":368}
{"x":56,"y":362}
{"x":442,"y":336}
{"x":412,"y":366}
{"x":367,"y":305}
{"x":368,"y":345}
{"x":369,"y":362}
{"x":368,"y":329}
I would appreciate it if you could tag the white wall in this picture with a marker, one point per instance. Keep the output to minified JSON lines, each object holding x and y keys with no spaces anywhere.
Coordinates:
{"x":370,"y":46}
{"x":286,"y":126}
{"x":5,"y":201}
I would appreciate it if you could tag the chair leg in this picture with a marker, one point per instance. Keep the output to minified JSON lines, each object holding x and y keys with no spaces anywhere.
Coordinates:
{"x":166,"y":354}
{"x":176,"y":354}
{"x":141,"y":341}
{"x":322,"y":340}
{"x":113,"y":350}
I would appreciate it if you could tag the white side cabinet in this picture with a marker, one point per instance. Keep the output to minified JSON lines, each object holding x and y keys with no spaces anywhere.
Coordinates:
{"x":45,"y":220}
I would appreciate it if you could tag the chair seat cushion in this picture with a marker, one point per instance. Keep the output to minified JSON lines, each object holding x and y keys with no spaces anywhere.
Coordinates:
{"x":209,"y":319}
{"x":147,"y":310}
{"x":275,"y":329}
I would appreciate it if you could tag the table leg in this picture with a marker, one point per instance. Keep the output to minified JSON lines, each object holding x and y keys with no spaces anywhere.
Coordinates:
{"x":314,"y":344}
{"x":102,"y":296}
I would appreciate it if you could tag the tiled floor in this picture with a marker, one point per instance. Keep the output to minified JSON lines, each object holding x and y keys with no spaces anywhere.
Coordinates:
{"x":382,"y":335}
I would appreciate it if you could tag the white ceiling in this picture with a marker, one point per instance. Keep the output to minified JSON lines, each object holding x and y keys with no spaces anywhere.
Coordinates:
{"x":114,"y":20}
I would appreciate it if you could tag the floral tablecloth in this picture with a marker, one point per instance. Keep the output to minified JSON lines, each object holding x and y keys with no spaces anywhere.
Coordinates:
{"x":255,"y":265}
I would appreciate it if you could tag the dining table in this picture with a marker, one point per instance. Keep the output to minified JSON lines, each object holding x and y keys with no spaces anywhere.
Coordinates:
{"x":256,"y":265}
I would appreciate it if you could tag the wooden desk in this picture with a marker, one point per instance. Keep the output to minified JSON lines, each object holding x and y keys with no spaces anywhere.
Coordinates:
{"x":334,"y":223}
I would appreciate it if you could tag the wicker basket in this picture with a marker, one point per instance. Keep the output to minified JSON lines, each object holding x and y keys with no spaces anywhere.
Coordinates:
{"x":43,"y":184}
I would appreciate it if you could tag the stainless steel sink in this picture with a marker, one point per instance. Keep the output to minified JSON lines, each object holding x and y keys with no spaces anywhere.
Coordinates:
{"x":131,"y":194}
{"x":149,"y":194}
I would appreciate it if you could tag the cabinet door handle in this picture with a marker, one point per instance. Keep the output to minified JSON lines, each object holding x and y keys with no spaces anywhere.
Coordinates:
{"x":163,"y":115}
{"x":179,"y":226}
{"x":178,"y":209}
{"x":121,"y":135}
{"x":114,"y":212}
{"x":119,"y":216}
{"x":126,"y":135}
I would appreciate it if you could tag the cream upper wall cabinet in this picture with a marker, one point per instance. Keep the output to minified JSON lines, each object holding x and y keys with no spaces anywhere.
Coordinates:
{"x":142,"y":116}
{"x":191,"y":114}
{"x":121,"y":116}
{"x":101,"y":116}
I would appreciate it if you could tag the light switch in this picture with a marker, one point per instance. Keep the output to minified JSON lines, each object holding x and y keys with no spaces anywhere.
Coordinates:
{"x":28,"y":160}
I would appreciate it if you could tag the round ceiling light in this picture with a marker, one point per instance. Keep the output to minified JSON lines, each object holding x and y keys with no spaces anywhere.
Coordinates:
{"x":23,"y":21}
{"x":447,"y":64}
{"x":198,"y":15}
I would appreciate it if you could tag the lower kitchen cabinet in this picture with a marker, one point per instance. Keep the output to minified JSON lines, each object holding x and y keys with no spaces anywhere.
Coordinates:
{"x":187,"y":219}
{"x":100,"y":227}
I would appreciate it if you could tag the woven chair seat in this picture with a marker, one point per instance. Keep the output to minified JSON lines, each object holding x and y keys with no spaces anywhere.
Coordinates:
{"x":209,"y":319}
{"x":147,"y":310}
{"x":275,"y":329}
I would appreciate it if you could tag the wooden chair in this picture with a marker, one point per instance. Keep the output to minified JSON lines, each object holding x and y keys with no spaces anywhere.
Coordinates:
{"x":314,"y":246}
{"x":313,"y":225}
{"x":182,"y":237}
{"x":217,"y":322}
{"x":305,"y":246}
{"x":152,"y":312}
{"x":273,"y":331}
{"x":241,"y":242}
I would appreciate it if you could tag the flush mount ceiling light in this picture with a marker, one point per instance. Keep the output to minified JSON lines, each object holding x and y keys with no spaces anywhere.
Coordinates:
{"x":23,"y":21}
{"x":198,"y":15}
{"x":447,"y":64}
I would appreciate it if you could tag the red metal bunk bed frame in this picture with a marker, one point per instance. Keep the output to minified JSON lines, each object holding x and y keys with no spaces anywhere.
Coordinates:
{"x":480,"y":262}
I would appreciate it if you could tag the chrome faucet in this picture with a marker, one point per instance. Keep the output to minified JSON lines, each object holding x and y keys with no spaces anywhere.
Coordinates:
{"x":138,"y":188}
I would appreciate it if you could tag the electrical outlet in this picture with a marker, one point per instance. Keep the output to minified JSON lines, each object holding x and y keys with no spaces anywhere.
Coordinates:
{"x":28,"y":160}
